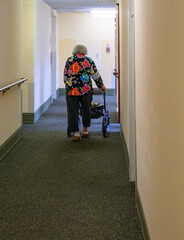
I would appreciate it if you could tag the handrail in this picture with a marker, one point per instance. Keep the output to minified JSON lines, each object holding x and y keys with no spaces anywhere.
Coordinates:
{"x":6,"y":88}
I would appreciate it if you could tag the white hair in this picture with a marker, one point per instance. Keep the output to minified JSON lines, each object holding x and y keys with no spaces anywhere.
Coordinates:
{"x":80,"y":49}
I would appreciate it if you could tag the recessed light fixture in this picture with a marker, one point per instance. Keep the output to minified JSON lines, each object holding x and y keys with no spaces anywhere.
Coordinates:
{"x":103,"y":12}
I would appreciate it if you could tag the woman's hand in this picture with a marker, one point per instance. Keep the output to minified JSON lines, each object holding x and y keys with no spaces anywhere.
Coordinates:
{"x":103,"y":88}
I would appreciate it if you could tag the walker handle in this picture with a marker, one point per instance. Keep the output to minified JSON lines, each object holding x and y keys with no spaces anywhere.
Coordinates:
{"x":104,"y":96}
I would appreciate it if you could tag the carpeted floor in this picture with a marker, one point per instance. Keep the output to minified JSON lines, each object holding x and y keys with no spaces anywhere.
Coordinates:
{"x":52,"y":188}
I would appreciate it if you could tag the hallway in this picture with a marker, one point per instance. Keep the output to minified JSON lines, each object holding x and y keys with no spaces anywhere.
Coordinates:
{"x":37,"y":177}
{"x":52,"y":188}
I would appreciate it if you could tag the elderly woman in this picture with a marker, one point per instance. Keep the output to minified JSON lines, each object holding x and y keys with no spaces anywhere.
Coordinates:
{"x":79,"y":69}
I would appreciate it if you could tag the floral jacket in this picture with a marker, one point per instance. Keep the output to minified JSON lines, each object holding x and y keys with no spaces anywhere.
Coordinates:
{"x":77,"y":75}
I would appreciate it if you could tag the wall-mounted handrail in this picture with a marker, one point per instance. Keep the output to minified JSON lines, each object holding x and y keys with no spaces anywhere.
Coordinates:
{"x":8,"y":87}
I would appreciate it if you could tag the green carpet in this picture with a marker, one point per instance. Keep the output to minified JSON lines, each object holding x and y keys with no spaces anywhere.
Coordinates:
{"x":52,"y":188}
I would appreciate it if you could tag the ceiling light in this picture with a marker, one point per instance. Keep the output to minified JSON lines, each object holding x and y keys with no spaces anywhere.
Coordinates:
{"x":107,"y":12}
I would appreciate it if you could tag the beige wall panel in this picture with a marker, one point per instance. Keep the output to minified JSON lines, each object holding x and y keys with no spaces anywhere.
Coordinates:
{"x":10,"y":41}
{"x":10,"y":113}
{"x":28,"y":49}
{"x":83,"y":27}
{"x":25,"y":97}
{"x":159,"y":33}
{"x":65,"y":50}
{"x":108,"y":63}
{"x":10,"y":67}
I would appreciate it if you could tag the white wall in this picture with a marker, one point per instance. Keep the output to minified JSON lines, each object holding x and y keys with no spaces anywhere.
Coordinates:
{"x":42,"y":50}
{"x":57,"y":50}
{"x":83,"y":27}
{"x":10,"y":67}
{"x":36,"y":54}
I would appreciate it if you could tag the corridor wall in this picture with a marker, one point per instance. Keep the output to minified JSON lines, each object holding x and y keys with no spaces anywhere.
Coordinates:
{"x":42,"y":51}
{"x":124,"y":70}
{"x":82,"y":27}
{"x":159,"y":50}
{"x":10,"y":68}
{"x":36,"y":59}
{"x":28,"y":55}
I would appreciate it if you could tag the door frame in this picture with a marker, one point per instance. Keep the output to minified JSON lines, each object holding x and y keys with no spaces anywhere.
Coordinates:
{"x":53,"y":56}
{"x":132,"y":119}
{"x":117,"y":61}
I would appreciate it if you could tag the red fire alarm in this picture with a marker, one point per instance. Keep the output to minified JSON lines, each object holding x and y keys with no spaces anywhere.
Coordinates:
{"x":108,"y":49}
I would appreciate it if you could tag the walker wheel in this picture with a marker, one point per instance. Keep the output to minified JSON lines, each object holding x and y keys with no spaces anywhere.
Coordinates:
{"x":104,"y":129}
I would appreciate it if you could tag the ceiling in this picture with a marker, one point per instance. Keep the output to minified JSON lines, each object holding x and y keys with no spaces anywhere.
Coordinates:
{"x":85,"y":5}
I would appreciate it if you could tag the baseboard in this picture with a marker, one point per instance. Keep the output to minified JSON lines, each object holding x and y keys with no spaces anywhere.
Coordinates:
{"x":60,"y":92}
{"x":10,"y":143}
{"x":144,"y":226}
{"x":31,"y":118}
{"x":42,"y":109}
{"x":125,"y":149}
{"x":138,"y":199}
{"x":28,"y":118}
{"x":109,"y":91}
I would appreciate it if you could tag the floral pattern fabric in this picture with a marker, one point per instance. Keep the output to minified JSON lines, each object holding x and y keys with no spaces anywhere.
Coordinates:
{"x":79,"y":69}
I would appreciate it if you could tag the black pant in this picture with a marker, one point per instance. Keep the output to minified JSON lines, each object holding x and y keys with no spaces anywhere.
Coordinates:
{"x":73,"y":104}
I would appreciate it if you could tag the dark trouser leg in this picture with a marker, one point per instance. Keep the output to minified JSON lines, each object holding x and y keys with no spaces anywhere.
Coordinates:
{"x":73,"y":113}
{"x":85,"y":101}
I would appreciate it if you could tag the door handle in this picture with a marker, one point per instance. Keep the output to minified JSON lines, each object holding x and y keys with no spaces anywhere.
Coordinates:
{"x":115,"y":73}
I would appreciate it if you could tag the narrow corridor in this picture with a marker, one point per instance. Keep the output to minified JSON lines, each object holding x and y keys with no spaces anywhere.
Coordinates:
{"x":52,"y":188}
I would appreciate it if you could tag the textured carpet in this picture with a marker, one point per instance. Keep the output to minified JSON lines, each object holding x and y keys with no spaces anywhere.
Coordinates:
{"x":52,"y":188}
